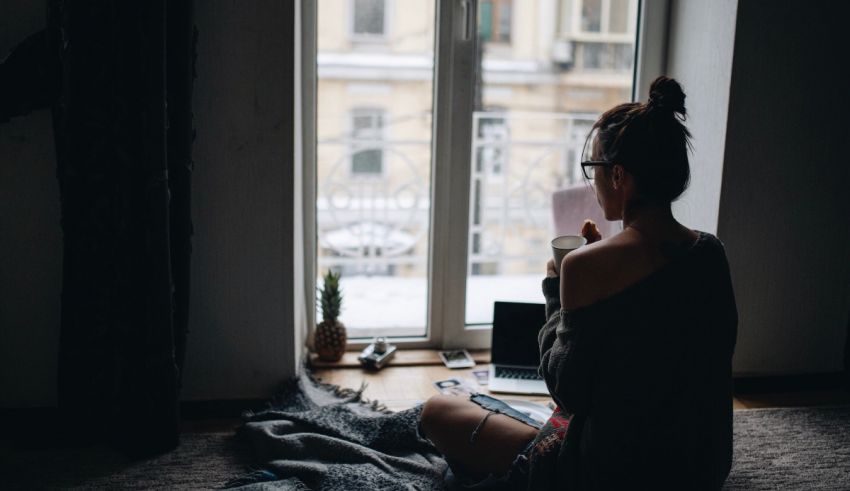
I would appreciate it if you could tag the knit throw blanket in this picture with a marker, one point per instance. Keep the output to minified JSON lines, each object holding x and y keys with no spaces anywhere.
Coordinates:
{"x":317,"y":436}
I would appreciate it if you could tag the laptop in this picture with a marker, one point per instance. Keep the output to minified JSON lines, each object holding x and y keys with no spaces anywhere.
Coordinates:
{"x":514,"y":353}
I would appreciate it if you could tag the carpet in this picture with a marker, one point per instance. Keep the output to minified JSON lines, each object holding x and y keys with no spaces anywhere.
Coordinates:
{"x":791,"y":448}
{"x":785,"y":448}
{"x":202,"y":461}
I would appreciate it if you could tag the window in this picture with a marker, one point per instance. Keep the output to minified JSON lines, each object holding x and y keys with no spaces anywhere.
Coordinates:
{"x":601,"y":33}
{"x":618,"y":16}
{"x":493,"y":136}
{"x":591,"y":55}
{"x":368,"y":18}
{"x":373,"y":167}
{"x":494,"y":21}
{"x":616,"y":57}
{"x":591,"y":15}
{"x":598,"y":16}
{"x":367,"y":152}
{"x":435,"y":174}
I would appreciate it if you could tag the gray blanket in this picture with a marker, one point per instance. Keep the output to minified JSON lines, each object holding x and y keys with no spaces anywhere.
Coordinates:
{"x":318,"y":436}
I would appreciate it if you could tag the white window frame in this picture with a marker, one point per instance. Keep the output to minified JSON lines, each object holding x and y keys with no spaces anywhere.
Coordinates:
{"x":451,"y":160}
{"x":651,"y":46}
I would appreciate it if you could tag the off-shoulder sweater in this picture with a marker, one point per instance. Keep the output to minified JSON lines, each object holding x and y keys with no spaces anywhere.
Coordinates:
{"x":642,"y":381}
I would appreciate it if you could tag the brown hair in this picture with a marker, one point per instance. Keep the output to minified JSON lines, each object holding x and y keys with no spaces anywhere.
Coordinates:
{"x":650,"y":141}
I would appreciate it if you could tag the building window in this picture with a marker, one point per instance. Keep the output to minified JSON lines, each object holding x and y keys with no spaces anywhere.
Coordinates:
{"x":369,"y":18}
{"x":605,"y":56}
{"x":367,"y":152}
{"x":618,"y":16}
{"x":494,"y":21}
{"x":597,"y":35}
{"x":591,"y":55}
{"x":614,"y":17}
{"x":623,"y":56}
{"x":591,"y":15}
{"x":492,"y":139}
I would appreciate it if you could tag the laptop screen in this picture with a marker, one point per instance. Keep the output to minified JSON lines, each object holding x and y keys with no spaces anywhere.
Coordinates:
{"x":515,"y":329}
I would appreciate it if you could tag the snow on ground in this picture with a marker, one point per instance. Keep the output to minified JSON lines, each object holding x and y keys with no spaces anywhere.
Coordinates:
{"x":387,"y":302}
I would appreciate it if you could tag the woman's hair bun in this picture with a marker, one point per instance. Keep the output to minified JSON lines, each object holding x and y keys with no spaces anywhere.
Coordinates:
{"x":666,"y":93}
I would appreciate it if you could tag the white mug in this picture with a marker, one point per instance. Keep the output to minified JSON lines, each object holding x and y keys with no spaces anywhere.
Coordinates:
{"x":563,"y":245}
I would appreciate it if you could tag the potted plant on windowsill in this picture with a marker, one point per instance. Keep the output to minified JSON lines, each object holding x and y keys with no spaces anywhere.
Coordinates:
{"x":330,"y":337}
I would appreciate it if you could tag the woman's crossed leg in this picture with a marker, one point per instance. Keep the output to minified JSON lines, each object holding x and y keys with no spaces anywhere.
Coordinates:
{"x":449,"y":422}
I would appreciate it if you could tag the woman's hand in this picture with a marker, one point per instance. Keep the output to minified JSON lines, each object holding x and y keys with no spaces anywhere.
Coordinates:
{"x":590,"y":232}
{"x":551,"y":272}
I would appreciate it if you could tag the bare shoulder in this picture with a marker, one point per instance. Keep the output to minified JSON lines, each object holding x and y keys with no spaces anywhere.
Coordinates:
{"x":601,"y":269}
{"x":589,"y":273}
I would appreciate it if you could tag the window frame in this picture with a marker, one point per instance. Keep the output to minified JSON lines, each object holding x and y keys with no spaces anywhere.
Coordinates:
{"x":453,"y":91}
{"x":451,"y":182}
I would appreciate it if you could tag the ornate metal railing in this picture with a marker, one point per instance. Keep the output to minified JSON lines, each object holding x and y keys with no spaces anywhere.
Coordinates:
{"x":376,"y":223}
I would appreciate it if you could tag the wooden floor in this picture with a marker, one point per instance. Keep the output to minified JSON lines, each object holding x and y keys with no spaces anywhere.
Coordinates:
{"x":409,"y":380}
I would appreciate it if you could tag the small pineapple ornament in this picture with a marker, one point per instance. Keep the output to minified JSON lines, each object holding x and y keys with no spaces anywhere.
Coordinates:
{"x":330,"y":333}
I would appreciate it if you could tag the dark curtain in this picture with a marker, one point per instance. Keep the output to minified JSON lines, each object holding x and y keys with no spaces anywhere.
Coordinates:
{"x":118,"y":76}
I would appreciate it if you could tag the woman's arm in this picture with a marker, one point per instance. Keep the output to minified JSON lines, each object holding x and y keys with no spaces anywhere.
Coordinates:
{"x":566,"y":360}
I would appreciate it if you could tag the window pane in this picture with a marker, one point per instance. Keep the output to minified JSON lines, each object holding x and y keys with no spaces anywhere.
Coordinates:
{"x":591,"y":15}
{"x":623,"y":56}
{"x":494,"y":20}
{"x":368,"y":17}
{"x":505,"y":21}
{"x":593,"y":55}
{"x":367,"y":162}
{"x":374,"y":163}
{"x":485,"y":20}
{"x":619,"y":17}
{"x":532,"y":115}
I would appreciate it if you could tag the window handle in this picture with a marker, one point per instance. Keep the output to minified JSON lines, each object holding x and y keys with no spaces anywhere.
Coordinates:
{"x":468,"y":20}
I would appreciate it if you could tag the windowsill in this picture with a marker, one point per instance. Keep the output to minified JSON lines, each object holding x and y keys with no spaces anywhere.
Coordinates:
{"x":403,"y":357}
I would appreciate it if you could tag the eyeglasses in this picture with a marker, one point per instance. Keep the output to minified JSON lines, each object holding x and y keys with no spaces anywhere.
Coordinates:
{"x":588,"y":174}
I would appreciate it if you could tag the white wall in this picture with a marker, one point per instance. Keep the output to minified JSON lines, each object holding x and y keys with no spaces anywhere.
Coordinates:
{"x":241,"y":340}
{"x":701,"y":42}
{"x":785,"y":209}
{"x":768,"y":107}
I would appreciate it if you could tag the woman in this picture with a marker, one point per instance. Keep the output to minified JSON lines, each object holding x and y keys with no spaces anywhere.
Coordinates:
{"x":637,"y":348}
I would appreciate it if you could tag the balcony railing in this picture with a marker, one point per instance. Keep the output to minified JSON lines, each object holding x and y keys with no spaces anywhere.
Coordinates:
{"x":376,"y":226}
{"x":518,"y":160}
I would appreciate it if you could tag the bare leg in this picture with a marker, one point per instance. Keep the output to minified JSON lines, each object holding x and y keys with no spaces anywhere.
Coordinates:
{"x":448,"y":421}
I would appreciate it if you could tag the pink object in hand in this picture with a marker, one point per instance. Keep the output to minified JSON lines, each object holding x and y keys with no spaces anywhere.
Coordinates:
{"x":573,"y":205}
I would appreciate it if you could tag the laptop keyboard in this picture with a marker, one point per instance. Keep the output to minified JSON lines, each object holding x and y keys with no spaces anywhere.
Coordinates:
{"x":518,"y":373}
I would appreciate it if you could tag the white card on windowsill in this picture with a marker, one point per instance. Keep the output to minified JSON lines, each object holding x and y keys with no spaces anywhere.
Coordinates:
{"x":458,"y":358}
{"x":457,"y":387}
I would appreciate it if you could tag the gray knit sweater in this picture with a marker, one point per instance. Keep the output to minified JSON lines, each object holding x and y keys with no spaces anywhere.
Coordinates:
{"x":642,"y":380}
